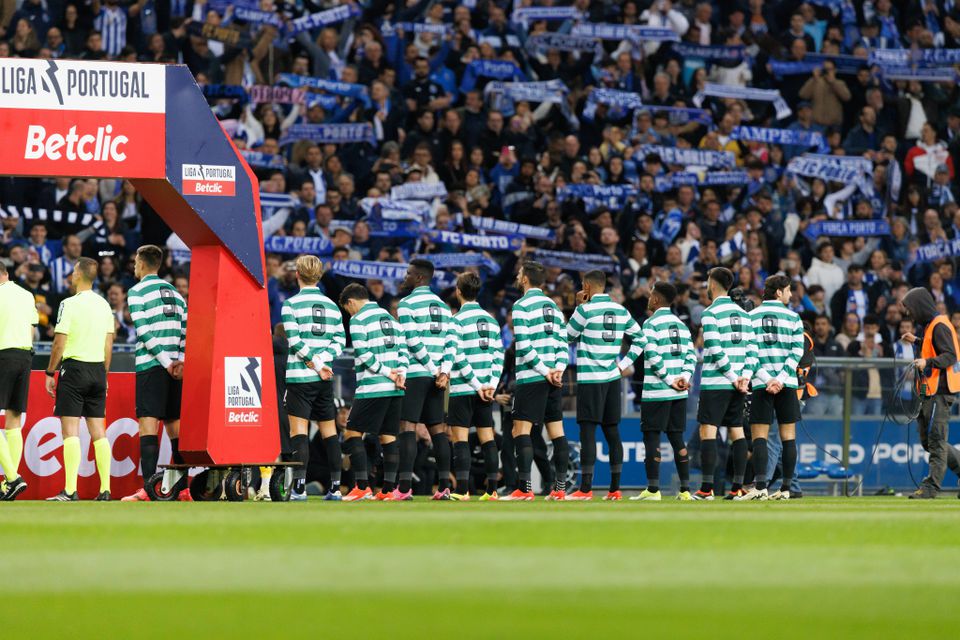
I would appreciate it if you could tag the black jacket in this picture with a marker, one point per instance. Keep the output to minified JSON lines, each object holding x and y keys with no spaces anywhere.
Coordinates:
{"x":921,"y":307}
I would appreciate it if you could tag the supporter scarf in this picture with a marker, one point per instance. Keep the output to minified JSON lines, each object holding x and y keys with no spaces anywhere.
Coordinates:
{"x":263,"y":160}
{"x":227,"y":35}
{"x":281,"y":95}
{"x":180,"y":256}
{"x":910,"y":56}
{"x":705,"y":179}
{"x":632,"y":32}
{"x":276,"y":200}
{"x":595,"y":196}
{"x":851,"y":170}
{"x":368,"y":270}
{"x":221,"y":6}
{"x":850,"y":228}
{"x":832,"y":5}
{"x":919,"y":74}
{"x":323,"y":18}
{"x":688,"y":157}
{"x":390,"y":209}
{"x":460,"y":260}
{"x":505,"y":227}
{"x":667,"y":226}
{"x":225,"y":91}
{"x":938,"y":250}
{"x":548,"y":91}
{"x":710,"y":52}
{"x":526,"y":15}
{"x":486,"y":243}
{"x":395,"y":228}
{"x":342,"y":133}
{"x":498,"y":69}
{"x":292,"y":245}
{"x":569,"y":261}
{"x":543,"y":42}
{"x":346,"y":89}
{"x":782,"y":137}
{"x":418,"y":27}
{"x":843,"y":64}
{"x":49,"y":215}
{"x":256,"y":16}
{"x":745,"y":93}
{"x":418,"y":191}
{"x":782,"y":68}
{"x":325,"y":101}
{"x":624,"y":99}
{"x":682,"y":115}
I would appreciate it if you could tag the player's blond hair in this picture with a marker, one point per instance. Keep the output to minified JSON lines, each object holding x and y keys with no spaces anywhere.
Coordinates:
{"x":309,"y":269}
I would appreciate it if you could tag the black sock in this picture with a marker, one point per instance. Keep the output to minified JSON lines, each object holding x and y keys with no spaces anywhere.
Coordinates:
{"x":651,"y":459}
{"x":789,"y":463}
{"x":760,"y":462}
{"x":408,"y":455}
{"x":149,"y":452}
{"x":523,"y":445}
{"x":588,"y":455}
{"x":491,"y":464}
{"x":358,"y":460}
{"x":391,"y":463}
{"x":683,"y":469}
{"x":738,"y":451}
{"x":561,"y":460}
{"x":461,"y":466}
{"x":175,"y":456}
{"x":301,"y":454}
{"x":334,"y":459}
{"x":612,"y":434}
{"x":441,"y":451}
{"x":708,"y":463}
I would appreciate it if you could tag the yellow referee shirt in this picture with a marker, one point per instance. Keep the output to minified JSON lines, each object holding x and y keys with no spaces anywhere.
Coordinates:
{"x":18,"y":317}
{"x":85,"y":319}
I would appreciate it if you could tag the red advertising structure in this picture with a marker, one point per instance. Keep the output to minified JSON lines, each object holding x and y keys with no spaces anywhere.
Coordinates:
{"x":151,"y":124}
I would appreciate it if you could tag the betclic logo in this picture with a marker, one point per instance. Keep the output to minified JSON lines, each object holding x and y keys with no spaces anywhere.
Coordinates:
{"x":208,"y":180}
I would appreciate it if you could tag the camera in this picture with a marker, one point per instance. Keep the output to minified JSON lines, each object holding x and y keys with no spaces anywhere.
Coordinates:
{"x":739,"y":297}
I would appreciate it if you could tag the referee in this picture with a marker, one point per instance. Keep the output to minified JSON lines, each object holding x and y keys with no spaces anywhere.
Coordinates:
{"x":16,"y":352}
{"x":82,"y":346}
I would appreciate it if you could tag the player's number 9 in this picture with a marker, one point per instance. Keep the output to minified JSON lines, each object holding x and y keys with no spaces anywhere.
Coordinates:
{"x":319,"y":327}
{"x":769,"y":330}
{"x":387,"y":328}
{"x":736,"y":330}
{"x":436,"y":319}
{"x":609,"y":326}
{"x":169,"y":301}
{"x":674,"y":341}
{"x":482,"y":326}
{"x":548,"y":320}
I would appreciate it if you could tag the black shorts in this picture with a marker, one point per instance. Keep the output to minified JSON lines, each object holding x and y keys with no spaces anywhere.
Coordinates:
{"x":665,"y":415}
{"x":15,"y":379}
{"x":158,"y":395}
{"x":310,"y":400}
{"x":538,"y":402}
{"x":598,"y":403}
{"x":376,"y":416}
{"x":721,"y":407}
{"x":469,"y":411}
{"x":422,"y":402}
{"x":784,"y":406}
{"x":81,"y":390}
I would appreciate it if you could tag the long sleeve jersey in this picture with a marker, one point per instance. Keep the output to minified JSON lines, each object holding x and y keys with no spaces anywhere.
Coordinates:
{"x":668,"y":354}
{"x":314,"y":328}
{"x":727,"y":339}
{"x":378,"y":349}
{"x":479,"y":355}
{"x":778,"y":334}
{"x":598,"y":326}
{"x":159,"y":316}
{"x":428,"y":332}
{"x":540,"y":337}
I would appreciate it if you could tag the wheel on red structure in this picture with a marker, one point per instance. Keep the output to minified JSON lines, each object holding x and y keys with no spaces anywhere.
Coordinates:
{"x":281,"y":483}
{"x":200,"y":489}
{"x":233,"y":486}
{"x":154,"y":489}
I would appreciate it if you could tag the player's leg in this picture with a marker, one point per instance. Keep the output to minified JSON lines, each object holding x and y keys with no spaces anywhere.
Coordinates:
{"x":738,"y":456}
{"x":331,"y":445}
{"x":761,"y":417}
{"x":561,"y":449}
{"x":432,"y":415}
{"x":97,"y":427}
{"x":788,"y":439}
{"x":588,"y":458}
{"x":389,"y":430}
{"x":653,"y":420}
{"x":708,"y":460}
{"x":611,"y":433}
{"x":366,"y":416}
{"x":412,"y":407}
{"x":491,"y":461}
{"x":148,"y":428}
{"x":461,"y":462}
{"x":151,"y":399}
{"x":681,"y":456}
{"x":530,"y":402}
{"x":300,"y":442}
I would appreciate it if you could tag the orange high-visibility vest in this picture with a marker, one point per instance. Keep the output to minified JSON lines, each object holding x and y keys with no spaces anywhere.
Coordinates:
{"x":802,"y":372}
{"x":931,"y":384}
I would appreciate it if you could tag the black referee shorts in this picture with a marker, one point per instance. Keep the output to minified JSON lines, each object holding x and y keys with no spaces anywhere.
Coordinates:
{"x":158,"y":395}
{"x":663,"y":415}
{"x":422,"y":402}
{"x":538,"y":402}
{"x":81,"y":390}
{"x":469,"y":411}
{"x":15,"y":379}
{"x":784,"y":406}
{"x":311,"y":400}
{"x":721,"y":407}
{"x":376,"y":416}
{"x":598,"y":403}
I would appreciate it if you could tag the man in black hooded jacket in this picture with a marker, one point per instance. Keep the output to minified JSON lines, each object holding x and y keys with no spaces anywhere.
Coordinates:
{"x":938,"y":386}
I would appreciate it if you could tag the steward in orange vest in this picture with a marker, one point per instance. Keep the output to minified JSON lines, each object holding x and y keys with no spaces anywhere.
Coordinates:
{"x":938,"y":382}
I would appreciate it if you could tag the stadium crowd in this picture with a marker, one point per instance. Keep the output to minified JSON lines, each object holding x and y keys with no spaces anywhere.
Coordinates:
{"x":653,"y":140}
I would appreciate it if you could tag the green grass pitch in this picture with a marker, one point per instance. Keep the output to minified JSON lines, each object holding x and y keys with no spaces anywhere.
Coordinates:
{"x":816,"y":568}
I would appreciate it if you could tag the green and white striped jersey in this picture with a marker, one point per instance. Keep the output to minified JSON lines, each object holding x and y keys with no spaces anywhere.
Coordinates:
{"x":159,"y":316}
{"x":429,"y":333}
{"x":778,"y":334}
{"x":598,"y":327}
{"x":479,"y":359}
{"x":668,"y":354}
{"x":727,"y":338}
{"x":540,"y":336}
{"x":314,"y":328}
{"x":378,"y":349}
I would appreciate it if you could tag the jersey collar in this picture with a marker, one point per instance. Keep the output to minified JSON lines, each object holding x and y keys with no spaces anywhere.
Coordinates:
{"x":663,"y":311}
{"x":421,"y":289}
{"x":600,"y":297}
{"x":775,"y":303}
{"x":149,"y":276}
{"x":532,"y":291}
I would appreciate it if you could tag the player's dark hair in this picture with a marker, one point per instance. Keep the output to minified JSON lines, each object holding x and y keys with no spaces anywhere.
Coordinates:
{"x":666,"y":291}
{"x":596,"y":277}
{"x":150,"y":255}
{"x":774,"y":284}
{"x":3,"y":268}
{"x":535,"y":273}
{"x":423,"y":268}
{"x":722,"y":276}
{"x":354,"y":291}
{"x":88,"y":268}
{"x":468,"y":284}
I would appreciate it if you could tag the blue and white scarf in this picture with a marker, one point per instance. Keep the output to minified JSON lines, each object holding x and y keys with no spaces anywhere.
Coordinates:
{"x":919,"y":74}
{"x":910,"y":56}
{"x":632,"y":32}
{"x":688,"y":157}
{"x":418,"y":191}
{"x":403,"y":229}
{"x":938,"y":250}
{"x":715,"y":90}
{"x":847,"y":228}
{"x":342,"y":133}
{"x":595,"y":196}
{"x":483,"y":243}
{"x":418,"y":27}
{"x":263,"y":160}
{"x":727,"y":53}
{"x":666,"y":226}
{"x":498,"y":69}
{"x":256,"y":16}
{"x":322,"y":19}
{"x":460,"y":260}
{"x":346,"y":89}
{"x":703,"y":179}
{"x":682,"y":115}
{"x":546,"y":91}
{"x":526,"y":15}
{"x":830,"y":168}
{"x":281,"y":95}
{"x":368,"y":270}
{"x":225,"y":92}
{"x":276,"y":200}
{"x":843,"y":64}
{"x":543,"y":42}
{"x":613,"y":97}
{"x":569,"y":261}
{"x":782,"y":137}
{"x":291,"y":245}
{"x":505,"y":227}
{"x":390,"y":209}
